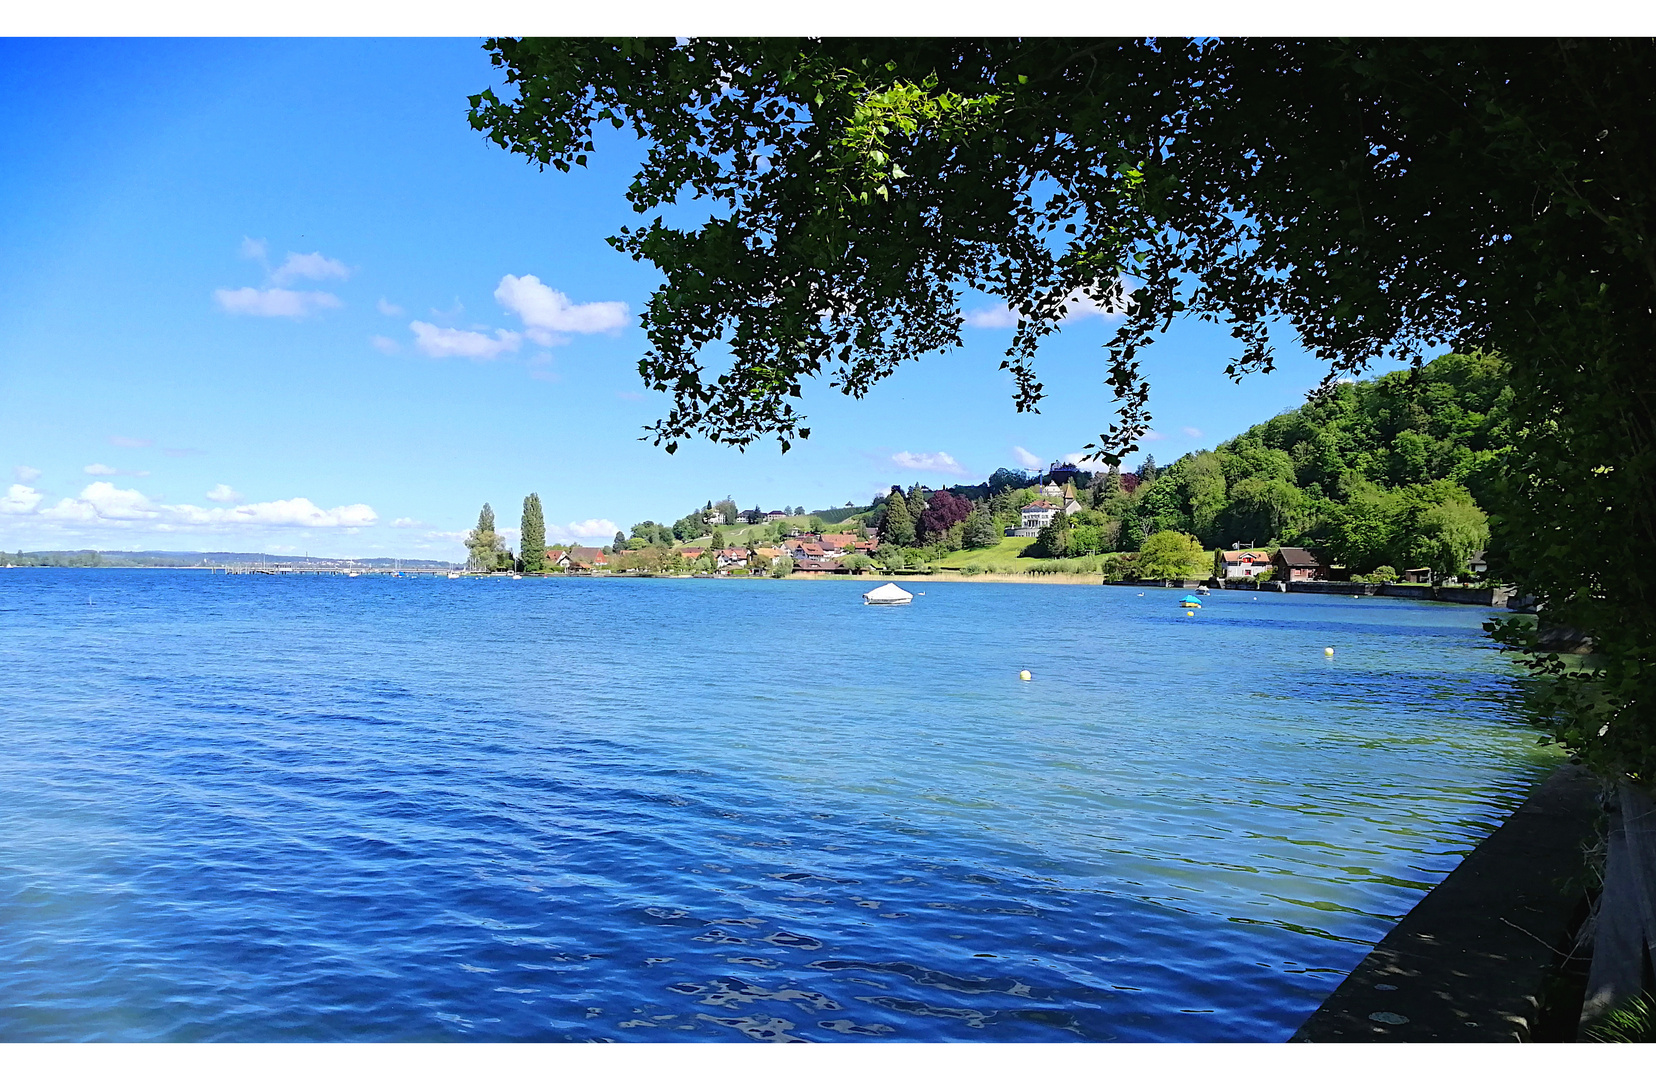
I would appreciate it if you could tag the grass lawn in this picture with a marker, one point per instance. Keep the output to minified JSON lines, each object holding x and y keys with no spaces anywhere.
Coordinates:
{"x":1004,"y":556}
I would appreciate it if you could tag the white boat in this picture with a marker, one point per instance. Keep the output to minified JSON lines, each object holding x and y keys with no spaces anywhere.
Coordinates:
{"x":517,"y":577}
{"x":453,"y":576}
{"x":888,"y":594}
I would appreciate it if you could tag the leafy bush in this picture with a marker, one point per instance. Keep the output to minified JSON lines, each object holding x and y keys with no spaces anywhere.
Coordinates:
{"x":1170,"y":555}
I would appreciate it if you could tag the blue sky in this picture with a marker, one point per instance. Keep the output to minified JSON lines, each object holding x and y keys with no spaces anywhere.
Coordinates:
{"x":277,"y":295}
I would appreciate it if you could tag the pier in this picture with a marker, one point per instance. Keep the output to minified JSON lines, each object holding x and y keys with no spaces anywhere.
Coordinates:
{"x":335,"y":571}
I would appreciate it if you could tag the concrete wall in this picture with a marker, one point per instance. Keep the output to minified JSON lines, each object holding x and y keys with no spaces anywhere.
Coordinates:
{"x":1493,"y":597}
{"x":1334,"y":588}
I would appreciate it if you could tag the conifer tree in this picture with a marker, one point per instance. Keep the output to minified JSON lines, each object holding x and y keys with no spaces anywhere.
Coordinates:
{"x":898,"y":526}
{"x":1053,"y":539}
{"x":483,"y":543}
{"x":532,"y":542}
{"x":980,"y":529}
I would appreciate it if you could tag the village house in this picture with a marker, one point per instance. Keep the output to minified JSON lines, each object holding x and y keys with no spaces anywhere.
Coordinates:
{"x":775,"y":515}
{"x":1232,"y":565}
{"x":1420,"y":575}
{"x":730,"y":556}
{"x":691,"y":554}
{"x":841,"y":542}
{"x":1296,"y":564}
{"x":577,"y":558}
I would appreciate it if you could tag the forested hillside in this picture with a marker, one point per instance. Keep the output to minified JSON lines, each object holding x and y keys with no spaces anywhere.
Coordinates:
{"x":1388,"y":473}
{"x":1391,"y":471}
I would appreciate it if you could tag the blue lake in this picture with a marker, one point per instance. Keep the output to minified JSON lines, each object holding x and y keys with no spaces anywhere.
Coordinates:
{"x":257,"y":808}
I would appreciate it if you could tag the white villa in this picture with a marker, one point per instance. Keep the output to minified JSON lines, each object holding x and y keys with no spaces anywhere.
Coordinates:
{"x":1038,"y":514}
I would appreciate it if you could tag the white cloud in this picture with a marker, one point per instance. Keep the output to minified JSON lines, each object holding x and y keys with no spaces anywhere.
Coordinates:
{"x":274,"y":303}
{"x":384,"y":344}
{"x":386,"y":307}
{"x":26,"y":474}
{"x":253,"y":249}
{"x":105,"y":470}
{"x":1079,"y":306}
{"x":224,"y":493}
{"x":584,"y":530}
{"x":406,"y":523}
{"x":546,"y":311}
{"x":19,"y":499}
{"x":438,"y":341}
{"x":130,"y":443}
{"x":1194,"y":433}
{"x":1026,"y":459}
{"x":938,"y":462}
{"x":1152,"y":436}
{"x":104,"y":503}
{"x":992,"y":318}
{"x":315,"y":266}
{"x":296,"y":513}
{"x":1089,"y":464}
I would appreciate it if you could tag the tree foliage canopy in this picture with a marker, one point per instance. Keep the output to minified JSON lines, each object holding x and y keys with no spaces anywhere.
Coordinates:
{"x":1169,"y":555}
{"x":486,"y":548}
{"x":1381,"y":197}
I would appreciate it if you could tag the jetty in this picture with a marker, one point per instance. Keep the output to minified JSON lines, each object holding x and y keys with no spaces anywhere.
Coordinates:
{"x":342,"y":570}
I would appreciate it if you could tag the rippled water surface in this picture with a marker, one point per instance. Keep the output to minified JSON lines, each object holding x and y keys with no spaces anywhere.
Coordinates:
{"x":256,"y":808}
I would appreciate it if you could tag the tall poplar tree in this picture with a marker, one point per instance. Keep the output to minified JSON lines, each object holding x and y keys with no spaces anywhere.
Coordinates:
{"x":532,"y":543}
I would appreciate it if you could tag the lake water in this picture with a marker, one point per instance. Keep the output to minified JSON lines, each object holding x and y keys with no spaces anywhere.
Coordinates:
{"x":258,"y":808}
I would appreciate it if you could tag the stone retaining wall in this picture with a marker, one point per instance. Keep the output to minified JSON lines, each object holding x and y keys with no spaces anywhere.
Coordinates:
{"x":1470,"y":962}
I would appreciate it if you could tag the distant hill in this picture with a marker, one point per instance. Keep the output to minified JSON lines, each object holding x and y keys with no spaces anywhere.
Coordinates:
{"x":839,"y":514}
{"x":199,"y":558}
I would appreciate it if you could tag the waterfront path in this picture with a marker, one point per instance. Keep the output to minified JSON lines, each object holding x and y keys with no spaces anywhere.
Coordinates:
{"x":1470,"y":962}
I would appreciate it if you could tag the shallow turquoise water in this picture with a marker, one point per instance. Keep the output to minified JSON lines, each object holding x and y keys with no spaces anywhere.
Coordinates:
{"x":253,"y":808}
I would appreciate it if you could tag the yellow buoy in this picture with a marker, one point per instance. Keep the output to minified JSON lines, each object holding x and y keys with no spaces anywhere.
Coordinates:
{"x":1328,"y":651}
{"x":1192,"y":614}
{"x":1024,"y":675}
